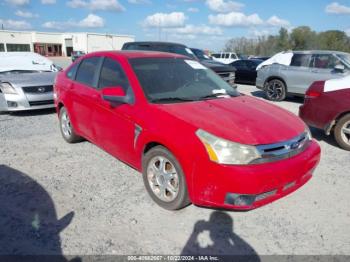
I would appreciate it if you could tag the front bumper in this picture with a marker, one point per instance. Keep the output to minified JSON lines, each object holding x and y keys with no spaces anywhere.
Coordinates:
{"x":22,"y":101}
{"x":220,"y":186}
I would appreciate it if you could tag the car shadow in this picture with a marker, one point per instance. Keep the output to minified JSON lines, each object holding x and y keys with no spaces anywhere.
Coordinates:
{"x":29,"y":228}
{"x":222,"y":240}
{"x":320,"y":135}
{"x":289,"y":98}
{"x":38,"y":112}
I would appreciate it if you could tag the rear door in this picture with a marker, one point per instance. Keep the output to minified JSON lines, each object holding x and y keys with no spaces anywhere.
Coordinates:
{"x":84,"y":95}
{"x":298,"y":75}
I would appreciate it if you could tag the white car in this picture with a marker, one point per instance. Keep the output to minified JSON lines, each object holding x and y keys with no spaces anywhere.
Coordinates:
{"x":26,"y":81}
{"x":225,"y":57}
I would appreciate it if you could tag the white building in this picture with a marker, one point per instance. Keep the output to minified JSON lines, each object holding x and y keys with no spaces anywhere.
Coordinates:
{"x":60,"y":44}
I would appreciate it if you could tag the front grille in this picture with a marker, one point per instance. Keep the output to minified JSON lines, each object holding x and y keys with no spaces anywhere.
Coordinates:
{"x":41,"y":103}
{"x":283,"y":150}
{"x":37,"y":89}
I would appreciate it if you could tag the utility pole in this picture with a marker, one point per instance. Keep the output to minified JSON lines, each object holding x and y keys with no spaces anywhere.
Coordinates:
{"x":159,"y":30}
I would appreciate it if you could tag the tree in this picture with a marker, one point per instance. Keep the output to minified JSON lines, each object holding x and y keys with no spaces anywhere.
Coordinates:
{"x":334,"y":40}
{"x":283,"y":42}
{"x":302,"y":38}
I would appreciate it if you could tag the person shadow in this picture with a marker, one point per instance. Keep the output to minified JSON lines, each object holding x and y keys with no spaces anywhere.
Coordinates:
{"x":29,"y":228}
{"x":217,"y":238}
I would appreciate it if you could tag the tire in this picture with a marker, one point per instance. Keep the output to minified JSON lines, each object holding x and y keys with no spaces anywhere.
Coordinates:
{"x":342,"y":132}
{"x":66,"y":128}
{"x":168,"y":188}
{"x":275,"y":90}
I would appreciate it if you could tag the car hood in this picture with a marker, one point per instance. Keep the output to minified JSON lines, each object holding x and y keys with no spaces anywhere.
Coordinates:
{"x":242,"y":119}
{"x":29,"y":79}
{"x":282,"y":58}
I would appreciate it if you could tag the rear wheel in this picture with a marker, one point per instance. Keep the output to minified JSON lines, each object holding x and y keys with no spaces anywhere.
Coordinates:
{"x":66,"y":127}
{"x":164,"y":179}
{"x":342,"y":132}
{"x":275,"y":90}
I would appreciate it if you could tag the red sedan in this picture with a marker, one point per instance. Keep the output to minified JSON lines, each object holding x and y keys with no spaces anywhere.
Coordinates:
{"x":194,"y":137}
{"x":327,"y":106}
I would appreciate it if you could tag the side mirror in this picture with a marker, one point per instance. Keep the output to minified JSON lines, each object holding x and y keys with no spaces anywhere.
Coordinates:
{"x":339,"y":68}
{"x":115,"y":95}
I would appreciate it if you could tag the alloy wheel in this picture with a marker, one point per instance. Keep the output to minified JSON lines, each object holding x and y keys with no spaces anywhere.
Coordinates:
{"x":163,"y":178}
{"x":274,"y":90}
{"x":66,"y":125}
{"x":345,"y":132}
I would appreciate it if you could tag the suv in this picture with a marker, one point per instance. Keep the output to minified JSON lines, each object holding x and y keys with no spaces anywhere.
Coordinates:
{"x":305,"y":67}
{"x":227,"y":73}
{"x":225,"y":57}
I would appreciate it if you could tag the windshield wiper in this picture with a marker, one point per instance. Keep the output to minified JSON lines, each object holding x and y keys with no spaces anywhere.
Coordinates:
{"x":217,"y":95}
{"x":171,"y":99}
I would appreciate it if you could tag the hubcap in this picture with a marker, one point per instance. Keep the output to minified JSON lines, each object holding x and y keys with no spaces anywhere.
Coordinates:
{"x":66,"y":125}
{"x":345,"y":132}
{"x":274,"y":90}
{"x":163,"y":178}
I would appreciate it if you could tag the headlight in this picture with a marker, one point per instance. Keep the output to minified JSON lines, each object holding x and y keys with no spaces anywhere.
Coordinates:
{"x":308,"y":133}
{"x":7,"y":88}
{"x":226,"y":152}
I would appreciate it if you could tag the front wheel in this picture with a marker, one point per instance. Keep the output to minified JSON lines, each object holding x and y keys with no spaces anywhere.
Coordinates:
{"x":275,"y":90}
{"x":164,"y":179}
{"x":342,"y":132}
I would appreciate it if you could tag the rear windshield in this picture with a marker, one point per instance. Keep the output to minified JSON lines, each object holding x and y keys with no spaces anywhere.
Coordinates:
{"x":163,"y":78}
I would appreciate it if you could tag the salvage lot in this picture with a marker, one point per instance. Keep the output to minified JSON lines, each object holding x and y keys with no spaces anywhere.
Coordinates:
{"x":113,"y":213}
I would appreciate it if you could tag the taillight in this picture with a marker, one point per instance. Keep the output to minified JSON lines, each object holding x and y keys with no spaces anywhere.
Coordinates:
{"x":315,"y":90}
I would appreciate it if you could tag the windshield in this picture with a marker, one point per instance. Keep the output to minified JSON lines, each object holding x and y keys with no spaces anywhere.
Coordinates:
{"x":200,"y":54}
{"x":168,"y":80}
{"x":345,"y":58}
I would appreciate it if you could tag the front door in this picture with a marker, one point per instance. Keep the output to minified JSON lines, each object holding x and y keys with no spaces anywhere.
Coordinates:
{"x":114,"y":123}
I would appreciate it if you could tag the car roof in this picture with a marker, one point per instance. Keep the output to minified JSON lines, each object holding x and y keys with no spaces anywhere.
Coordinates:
{"x":318,"y":52}
{"x":130,"y":54}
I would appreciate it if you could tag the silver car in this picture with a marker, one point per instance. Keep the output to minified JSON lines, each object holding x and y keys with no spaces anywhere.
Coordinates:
{"x":26,"y":82}
{"x":303,"y":68}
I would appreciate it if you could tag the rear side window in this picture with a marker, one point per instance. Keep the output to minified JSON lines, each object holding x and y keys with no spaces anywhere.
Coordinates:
{"x":216,"y":55}
{"x":72,"y":71}
{"x":301,"y":60}
{"x":87,"y":70}
{"x":112,"y":75}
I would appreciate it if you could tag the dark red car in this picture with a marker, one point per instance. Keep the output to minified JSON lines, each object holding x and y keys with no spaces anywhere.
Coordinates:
{"x":194,"y":137}
{"x":327,"y":106}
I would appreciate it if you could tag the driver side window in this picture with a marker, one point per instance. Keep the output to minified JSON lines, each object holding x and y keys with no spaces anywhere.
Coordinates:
{"x":112,"y":75}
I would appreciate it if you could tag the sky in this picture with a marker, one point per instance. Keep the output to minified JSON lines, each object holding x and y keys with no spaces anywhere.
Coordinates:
{"x":205,"y":24}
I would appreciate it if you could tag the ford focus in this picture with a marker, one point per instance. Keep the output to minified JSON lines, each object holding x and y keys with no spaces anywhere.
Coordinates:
{"x":193,"y":137}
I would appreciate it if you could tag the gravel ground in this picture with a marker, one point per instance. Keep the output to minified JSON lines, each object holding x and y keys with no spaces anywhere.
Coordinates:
{"x":46,"y":179}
